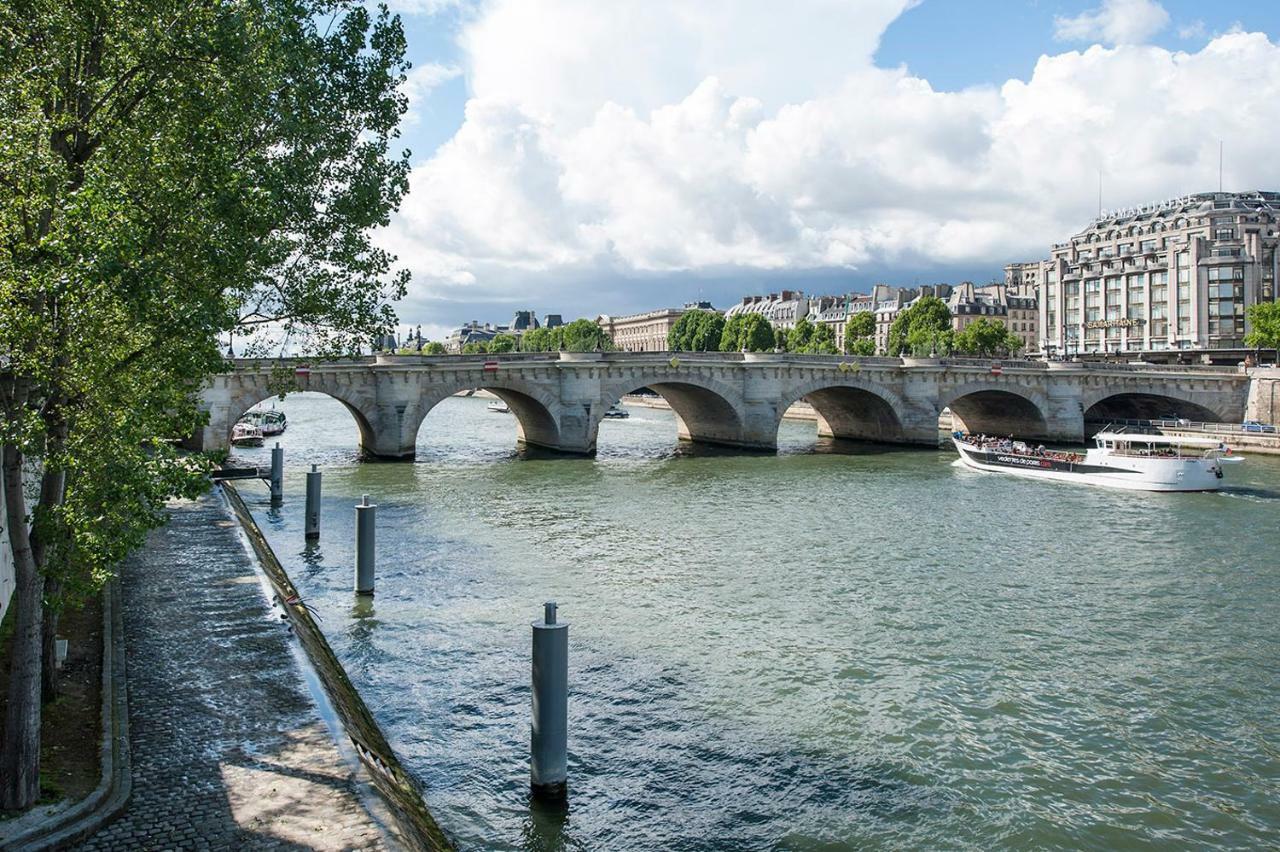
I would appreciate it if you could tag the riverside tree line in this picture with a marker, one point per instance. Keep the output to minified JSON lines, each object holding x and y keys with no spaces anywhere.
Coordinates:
{"x":170,"y":171}
{"x":922,"y":329}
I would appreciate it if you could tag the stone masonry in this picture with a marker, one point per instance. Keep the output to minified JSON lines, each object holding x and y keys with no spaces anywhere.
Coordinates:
{"x":737,"y":399}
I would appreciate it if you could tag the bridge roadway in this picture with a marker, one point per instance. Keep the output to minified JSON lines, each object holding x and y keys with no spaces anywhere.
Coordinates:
{"x":738,"y":399}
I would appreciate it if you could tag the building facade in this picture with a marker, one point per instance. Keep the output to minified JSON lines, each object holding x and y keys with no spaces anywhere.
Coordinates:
{"x":997,"y":303}
{"x":1169,"y":282}
{"x":646,"y":332}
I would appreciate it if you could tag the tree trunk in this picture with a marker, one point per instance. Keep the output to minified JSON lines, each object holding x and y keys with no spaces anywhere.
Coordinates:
{"x":20,"y":757}
{"x":53,"y":489}
{"x":48,"y":650}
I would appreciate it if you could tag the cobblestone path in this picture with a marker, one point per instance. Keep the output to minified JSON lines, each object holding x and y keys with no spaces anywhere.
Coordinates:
{"x":229,"y":749}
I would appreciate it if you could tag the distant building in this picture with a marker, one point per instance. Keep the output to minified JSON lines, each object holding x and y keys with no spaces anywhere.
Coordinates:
{"x":996,"y":303}
{"x":472,"y":332}
{"x":552,"y":321}
{"x":648,"y":331}
{"x":524,"y":321}
{"x":1170,"y":281}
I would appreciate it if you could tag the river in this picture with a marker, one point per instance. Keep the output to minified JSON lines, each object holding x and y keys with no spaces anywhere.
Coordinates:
{"x":822,"y":649}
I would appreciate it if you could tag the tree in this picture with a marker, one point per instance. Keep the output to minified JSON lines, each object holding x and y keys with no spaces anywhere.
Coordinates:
{"x":475,"y":347}
{"x":798,"y":338}
{"x":434,"y":347}
{"x":168,"y":174}
{"x":502,"y":343}
{"x":921,"y":328}
{"x":696,"y":331}
{"x":986,"y":339}
{"x":859,"y":334}
{"x":747,"y":333}
{"x":1264,"y":319}
{"x":864,"y":346}
{"x":537,"y":340}
{"x":822,"y":341}
{"x":582,"y":335}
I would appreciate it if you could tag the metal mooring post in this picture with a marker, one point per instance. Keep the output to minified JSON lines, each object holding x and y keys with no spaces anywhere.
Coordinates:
{"x":366,"y":515}
{"x":277,"y":474}
{"x":549,"y":752}
{"x":313,"y":503}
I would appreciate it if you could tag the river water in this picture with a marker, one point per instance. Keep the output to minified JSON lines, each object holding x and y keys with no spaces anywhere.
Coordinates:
{"x":819,"y":650}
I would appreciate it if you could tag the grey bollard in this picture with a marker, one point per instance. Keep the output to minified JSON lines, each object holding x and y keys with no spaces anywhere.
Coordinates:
{"x":365,"y":520}
{"x":277,"y":474}
{"x":549,"y":757}
{"x":313,"y":504}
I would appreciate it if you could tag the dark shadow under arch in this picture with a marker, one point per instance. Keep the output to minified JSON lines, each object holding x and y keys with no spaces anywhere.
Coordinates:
{"x":535,"y":425}
{"x":996,"y":412}
{"x":848,"y":413}
{"x":702,"y":415}
{"x":1144,"y":406}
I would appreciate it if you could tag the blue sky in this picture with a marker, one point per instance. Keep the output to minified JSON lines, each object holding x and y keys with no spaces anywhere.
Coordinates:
{"x":619,"y":157}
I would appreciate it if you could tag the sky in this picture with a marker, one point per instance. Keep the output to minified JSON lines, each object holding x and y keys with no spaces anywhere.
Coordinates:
{"x":578,"y":157}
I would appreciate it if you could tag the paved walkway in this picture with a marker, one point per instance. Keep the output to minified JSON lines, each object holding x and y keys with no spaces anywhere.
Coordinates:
{"x":229,"y":750}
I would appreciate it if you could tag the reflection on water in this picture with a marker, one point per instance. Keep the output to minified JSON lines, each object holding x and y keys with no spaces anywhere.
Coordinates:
{"x":828,"y":648}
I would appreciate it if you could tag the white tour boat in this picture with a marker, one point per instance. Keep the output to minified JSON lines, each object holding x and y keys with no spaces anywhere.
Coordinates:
{"x":499,"y":407}
{"x":246,"y":434}
{"x":1117,"y":460}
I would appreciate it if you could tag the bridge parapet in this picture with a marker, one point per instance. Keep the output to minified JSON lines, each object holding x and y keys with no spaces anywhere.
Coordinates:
{"x":733,"y":398}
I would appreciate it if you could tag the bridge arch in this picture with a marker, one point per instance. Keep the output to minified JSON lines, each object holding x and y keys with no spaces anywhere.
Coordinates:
{"x":707,"y":410}
{"x":250,"y":394}
{"x":534,"y":410}
{"x":849,"y":409}
{"x":1143,"y":403}
{"x":998,"y":409}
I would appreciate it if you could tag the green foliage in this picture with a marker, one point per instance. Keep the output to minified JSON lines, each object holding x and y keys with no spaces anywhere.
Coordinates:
{"x":696,"y":331}
{"x":503,"y":343}
{"x":1264,"y":319}
{"x":865,"y":346}
{"x":169,"y":174}
{"x":861,"y":324}
{"x":747,"y":332}
{"x":986,"y":339}
{"x":860,"y":333}
{"x":922,"y":329}
{"x":537,"y":340}
{"x":823,"y":340}
{"x":433,"y":347}
{"x":581,"y":335}
{"x":475,"y":347}
{"x":798,"y":338}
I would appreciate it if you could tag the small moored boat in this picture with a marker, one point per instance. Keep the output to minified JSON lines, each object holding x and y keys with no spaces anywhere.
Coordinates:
{"x":1117,"y":460}
{"x":616,"y":412}
{"x":499,"y":407}
{"x":246,"y":434}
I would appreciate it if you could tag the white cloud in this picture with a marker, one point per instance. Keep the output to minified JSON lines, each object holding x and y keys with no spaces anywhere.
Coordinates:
{"x":1195,"y":29}
{"x":822,"y":167}
{"x":1114,"y":22}
{"x":420,"y":82}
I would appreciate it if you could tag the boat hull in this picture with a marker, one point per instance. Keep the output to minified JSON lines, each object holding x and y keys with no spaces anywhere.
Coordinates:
{"x":1129,"y":473}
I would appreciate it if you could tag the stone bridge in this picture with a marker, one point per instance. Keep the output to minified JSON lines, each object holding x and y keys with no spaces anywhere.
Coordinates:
{"x":737,"y":399}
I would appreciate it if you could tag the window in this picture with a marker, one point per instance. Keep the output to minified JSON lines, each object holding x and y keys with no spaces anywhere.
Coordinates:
{"x":1224,"y":233}
{"x":1149,"y":246}
{"x":1160,"y":279}
{"x":1226,"y":273}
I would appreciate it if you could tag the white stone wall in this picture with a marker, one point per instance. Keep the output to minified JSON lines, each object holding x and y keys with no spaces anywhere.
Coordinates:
{"x":6,"y":557}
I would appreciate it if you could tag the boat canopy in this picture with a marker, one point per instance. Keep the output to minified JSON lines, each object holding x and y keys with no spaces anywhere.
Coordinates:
{"x":1154,"y":440}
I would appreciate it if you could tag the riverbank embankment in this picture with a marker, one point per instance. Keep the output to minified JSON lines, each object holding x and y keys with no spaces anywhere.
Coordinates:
{"x":230,"y":749}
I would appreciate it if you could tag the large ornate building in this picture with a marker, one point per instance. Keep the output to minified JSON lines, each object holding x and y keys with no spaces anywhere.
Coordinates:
{"x":1171,"y":281}
{"x":646,"y":332}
